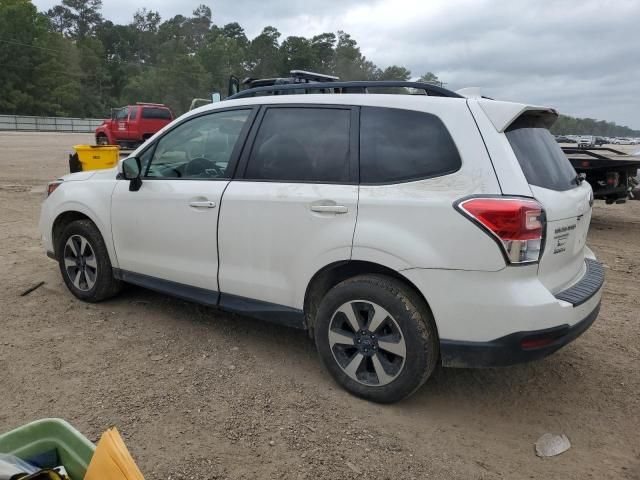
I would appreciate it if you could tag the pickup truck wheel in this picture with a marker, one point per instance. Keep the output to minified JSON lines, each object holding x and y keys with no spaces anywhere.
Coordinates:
{"x":84,"y":262}
{"x":102,"y":140}
{"x":376,"y":337}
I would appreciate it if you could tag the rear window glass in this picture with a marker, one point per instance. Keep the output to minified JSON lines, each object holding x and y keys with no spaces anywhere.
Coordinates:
{"x":403,"y":145}
{"x":543,"y":162}
{"x":156,"y":113}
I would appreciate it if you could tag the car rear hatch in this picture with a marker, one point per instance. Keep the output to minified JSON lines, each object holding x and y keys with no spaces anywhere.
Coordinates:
{"x":566,"y":200}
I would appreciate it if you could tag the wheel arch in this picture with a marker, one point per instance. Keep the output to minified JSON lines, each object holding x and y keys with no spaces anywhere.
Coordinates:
{"x":104,"y":132}
{"x":61,"y":222}
{"x":71,"y":215}
{"x":330,"y":275}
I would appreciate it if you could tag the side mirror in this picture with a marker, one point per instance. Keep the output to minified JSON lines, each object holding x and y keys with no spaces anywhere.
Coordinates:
{"x":215,"y":97}
{"x":131,"y":170}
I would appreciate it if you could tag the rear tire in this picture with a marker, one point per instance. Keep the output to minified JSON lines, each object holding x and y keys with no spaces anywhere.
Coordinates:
{"x":390,"y":350}
{"x":84,"y":262}
{"x":102,"y":140}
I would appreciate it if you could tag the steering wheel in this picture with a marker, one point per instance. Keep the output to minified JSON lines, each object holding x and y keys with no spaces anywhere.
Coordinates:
{"x":201,"y":167}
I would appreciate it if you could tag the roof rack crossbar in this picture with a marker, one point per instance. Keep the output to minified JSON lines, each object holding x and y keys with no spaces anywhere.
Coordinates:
{"x":428,"y":88}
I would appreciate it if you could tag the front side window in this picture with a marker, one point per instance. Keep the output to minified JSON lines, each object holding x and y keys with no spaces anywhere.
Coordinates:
{"x":403,"y":145}
{"x":302,"y":145}
{"x":122,"y":113}
{"x":198,"y":148}
{"x":132,"y":115}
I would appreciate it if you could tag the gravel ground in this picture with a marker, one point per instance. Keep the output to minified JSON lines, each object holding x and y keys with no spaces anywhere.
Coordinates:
{"x":199,"y":394}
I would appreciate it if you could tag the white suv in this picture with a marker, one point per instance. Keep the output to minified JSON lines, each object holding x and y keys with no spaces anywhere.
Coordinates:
{"x":401,"y":231}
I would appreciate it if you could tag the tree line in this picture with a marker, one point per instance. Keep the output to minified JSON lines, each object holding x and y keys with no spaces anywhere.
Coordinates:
{"x":71,"y":61}
{"x":566,"y":125}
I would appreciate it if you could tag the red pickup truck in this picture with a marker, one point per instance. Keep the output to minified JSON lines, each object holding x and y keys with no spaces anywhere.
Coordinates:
{"x":131,"y":125}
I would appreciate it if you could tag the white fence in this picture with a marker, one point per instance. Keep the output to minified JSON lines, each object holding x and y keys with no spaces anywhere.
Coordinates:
{"x":48,"y":124}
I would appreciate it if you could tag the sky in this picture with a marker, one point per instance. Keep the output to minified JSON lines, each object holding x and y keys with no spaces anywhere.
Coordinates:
{"x":579,"y":56}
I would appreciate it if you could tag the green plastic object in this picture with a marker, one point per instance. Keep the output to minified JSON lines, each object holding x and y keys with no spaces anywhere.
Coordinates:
{"x":42,"y":436}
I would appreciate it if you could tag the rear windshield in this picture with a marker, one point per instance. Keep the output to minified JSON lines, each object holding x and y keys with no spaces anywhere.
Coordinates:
{"x":543,"y":162}
{"x":157,"y":113}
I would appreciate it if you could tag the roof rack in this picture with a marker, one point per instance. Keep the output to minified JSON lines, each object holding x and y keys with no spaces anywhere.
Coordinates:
{"x":344,"y":87}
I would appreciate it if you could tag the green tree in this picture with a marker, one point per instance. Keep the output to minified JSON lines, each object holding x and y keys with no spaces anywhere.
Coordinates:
{"x":235,"y":32}
{"x":349,"y":62}
{"x":566,"y":125}
{"x":197,"y":27}
{"x":323,"y":52}
{"x":264,"y":54}
{"x":61,"y":20}
{"x":77,"y":18}
{"x":395,"y":72}
{"x":430,"y":77}
{"x":297,"y":53}
{"x":95,"y":87}
{"x":222,"y":56}
{"x":34,"y":62}
{"x":144,"y":30}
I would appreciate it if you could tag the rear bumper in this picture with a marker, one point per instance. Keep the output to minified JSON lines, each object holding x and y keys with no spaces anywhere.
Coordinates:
{"x":512,"y":349}
{"x":483,"y":317}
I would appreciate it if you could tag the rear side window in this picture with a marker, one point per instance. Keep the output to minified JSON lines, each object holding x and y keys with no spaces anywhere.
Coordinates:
{"x":156,"y":113}
{"x":404,"y":145}
{"x":302,"y":145}
{"x":543,"y":162}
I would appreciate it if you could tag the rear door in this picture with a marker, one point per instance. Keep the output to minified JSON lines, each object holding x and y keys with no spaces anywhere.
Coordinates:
{"x":566,"y":201}
{"x":293,"y":208}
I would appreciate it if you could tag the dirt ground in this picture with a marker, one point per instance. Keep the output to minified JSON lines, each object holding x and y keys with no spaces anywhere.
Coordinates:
{"x":199,"y":394}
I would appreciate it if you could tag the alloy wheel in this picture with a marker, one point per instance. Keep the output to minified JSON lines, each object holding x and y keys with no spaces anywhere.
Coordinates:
{"x":367,"y":343}
{"x":80,"y":263}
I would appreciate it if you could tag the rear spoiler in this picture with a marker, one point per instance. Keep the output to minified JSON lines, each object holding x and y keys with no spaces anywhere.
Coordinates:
{"x":503,"y":114}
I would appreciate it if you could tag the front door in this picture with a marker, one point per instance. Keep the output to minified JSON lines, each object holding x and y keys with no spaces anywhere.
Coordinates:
{"x":167,"y":230}
{"x":122,"y":124}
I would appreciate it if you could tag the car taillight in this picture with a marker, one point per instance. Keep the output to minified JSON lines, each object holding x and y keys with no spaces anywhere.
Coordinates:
{"x":517,"y":224}
{"x":51,"y":186}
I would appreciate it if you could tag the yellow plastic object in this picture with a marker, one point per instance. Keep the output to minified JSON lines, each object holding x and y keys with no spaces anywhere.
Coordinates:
{"x":112,"y":460}
{"x":96,"y":157}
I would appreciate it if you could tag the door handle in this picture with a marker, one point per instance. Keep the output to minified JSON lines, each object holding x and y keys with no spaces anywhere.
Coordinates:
{"x":329,"y":208}
{"x":202,"y":204}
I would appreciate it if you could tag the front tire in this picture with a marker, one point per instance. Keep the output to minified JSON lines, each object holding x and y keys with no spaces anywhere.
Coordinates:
{"x":84,"y":262}
{"x":376,"y":337}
